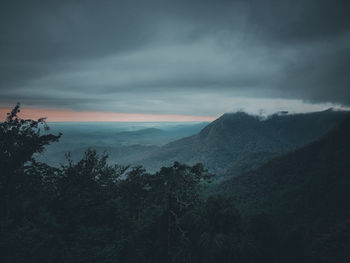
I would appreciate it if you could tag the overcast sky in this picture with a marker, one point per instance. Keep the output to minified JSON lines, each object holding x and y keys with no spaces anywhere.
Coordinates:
{"x":175,"y":57}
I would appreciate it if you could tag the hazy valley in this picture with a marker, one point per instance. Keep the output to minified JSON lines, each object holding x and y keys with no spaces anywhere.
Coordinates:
{"x":232,"y":144}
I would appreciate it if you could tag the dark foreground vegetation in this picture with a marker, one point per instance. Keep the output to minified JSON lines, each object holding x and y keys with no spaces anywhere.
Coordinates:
{"x":90,"y":211}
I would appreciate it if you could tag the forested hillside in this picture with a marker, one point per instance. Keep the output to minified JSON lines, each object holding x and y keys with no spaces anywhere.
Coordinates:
{"x":239,"y":142}
{"x":321,"y":169}
{"x":306,"y":191}
{"x":293,"y":209}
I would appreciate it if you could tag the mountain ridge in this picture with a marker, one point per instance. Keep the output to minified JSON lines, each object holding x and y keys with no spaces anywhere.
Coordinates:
{"x":308,"y":185}
{"x":237,"y":142}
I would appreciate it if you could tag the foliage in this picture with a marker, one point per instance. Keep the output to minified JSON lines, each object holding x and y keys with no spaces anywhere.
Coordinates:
{"x":91,"y":211}
{"x":306,"y":192}
{"x":20,"y":188}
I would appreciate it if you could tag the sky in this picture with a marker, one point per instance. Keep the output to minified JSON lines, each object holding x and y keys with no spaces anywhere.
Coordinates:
{"x":189,"y":58}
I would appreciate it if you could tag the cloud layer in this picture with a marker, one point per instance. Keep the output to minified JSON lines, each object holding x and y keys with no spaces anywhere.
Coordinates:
{"x":174,"y":57}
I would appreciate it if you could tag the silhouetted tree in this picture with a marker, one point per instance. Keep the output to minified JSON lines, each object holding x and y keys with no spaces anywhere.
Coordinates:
{"x":20,"y":187}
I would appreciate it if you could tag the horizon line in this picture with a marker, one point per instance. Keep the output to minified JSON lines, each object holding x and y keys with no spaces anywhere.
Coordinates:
{"x":69,"y":115}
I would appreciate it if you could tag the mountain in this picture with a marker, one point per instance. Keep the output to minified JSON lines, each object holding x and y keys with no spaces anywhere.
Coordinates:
{"x":305,"y":195}
{"x":156,"y":136}
{"x":124,"y":142}
{"x":117,"y":154}
{"x":144,"y":136}
{"x":239,"y":142}
{"x":310,"y":183}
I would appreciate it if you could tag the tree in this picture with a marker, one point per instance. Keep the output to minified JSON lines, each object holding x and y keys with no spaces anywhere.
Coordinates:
{"x":22,"y":195}
{"x":19,"y":140}
{"x":221,"y":230}
{"x":177,"y":190}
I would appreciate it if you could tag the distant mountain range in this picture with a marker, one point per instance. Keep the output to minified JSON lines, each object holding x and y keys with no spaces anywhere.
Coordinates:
{"x":124,"y":142}
{"x":238,"y":142}
{"x":230,"y":145}
{"x":157,"y":136}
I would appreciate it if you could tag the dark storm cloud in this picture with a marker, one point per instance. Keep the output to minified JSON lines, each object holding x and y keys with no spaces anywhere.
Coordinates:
{"x":301,"y":21}
{"x":99,"y":54}
{"x":41,"y":36}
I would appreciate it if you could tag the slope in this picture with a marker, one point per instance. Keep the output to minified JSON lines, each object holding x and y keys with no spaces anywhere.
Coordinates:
{"x":238,"y":142}
{"x":306,"y":184}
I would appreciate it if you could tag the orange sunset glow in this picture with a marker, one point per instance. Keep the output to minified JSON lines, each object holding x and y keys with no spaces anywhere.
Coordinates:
{"x":67,"y":115}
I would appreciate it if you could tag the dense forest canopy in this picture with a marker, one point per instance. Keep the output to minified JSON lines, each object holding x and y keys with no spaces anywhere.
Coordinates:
{"x":92,"y":211}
